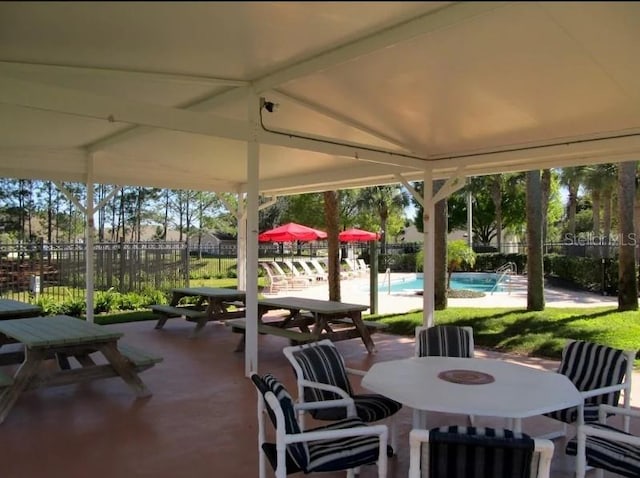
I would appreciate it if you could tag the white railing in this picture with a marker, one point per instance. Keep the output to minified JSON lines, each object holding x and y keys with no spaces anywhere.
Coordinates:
{"x":504,"y":271}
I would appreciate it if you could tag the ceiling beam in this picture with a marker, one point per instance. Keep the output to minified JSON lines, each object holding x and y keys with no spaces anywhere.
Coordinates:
{"x":429,"y":22}
{"x":118,"y":73}
{"x":340,"y":118}
{"x":74,"y":102}
{"x":81,"y":103}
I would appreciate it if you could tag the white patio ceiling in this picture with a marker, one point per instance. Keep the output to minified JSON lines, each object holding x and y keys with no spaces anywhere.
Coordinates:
{"x":156,"y":93}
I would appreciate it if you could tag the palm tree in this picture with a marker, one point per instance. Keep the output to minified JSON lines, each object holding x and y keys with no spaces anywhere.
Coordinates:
{"x":572,"y":178}
{"x":383,"y":200}
{"x":535,"y":271}
{"x":440,"y":250}
{"x":332,"y":220}
{"x":627,"y":282}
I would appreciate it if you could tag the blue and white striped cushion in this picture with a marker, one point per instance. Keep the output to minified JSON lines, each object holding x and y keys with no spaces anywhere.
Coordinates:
{"x":590,"y":366}
{"x":463,"y":452}
{"x":342,"y":453}
{"x":444,"y":341}
{"x":609,"y":455}
{"x":298,"y":452}
{"x":323,"y":363}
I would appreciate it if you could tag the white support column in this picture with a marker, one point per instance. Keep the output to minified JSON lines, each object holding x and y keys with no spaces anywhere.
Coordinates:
{"x":428,"y":264}
{"x":241,"y":216}
{"x":89,"y":240}
{"x":253,"y":179}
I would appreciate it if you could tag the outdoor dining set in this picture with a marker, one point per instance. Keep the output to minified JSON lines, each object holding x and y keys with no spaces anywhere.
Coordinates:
{"x":444,"y":376}
{"x":327,"y":424}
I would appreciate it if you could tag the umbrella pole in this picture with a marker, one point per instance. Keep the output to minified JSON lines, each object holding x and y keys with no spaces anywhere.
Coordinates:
{"x":373,"y":278}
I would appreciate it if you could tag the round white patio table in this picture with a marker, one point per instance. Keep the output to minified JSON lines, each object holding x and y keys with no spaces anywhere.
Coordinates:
{"x":516,"y":392}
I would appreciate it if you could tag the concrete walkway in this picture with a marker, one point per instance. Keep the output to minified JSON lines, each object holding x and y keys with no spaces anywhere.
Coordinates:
{"x":356,"y":291}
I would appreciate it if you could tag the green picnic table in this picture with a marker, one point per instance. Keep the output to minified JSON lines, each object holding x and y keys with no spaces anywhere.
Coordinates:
{"x":64,"y":337}
{"x":14,"y":309}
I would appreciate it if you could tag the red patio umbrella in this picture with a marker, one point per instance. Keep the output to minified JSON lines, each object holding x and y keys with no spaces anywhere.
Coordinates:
{"x":291,"y":232}
{"x":358,"y":235}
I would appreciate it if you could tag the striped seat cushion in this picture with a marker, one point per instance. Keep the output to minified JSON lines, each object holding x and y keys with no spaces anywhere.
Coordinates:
{"x":463,"y":452}
{"x":591,"y":366}
{"x":323,"y":363}
{"x":444,"y":341}
{"x":342,"y":453}
{"x":297,"y":453}
{"x":610,"y":455}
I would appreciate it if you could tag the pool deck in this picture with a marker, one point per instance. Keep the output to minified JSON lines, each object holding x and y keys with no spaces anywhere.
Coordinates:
{"x":356,"y":291}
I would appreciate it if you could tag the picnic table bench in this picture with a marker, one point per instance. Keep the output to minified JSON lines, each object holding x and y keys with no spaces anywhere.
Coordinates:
{"x":311,"y":319}
{"x":63,"y":337}
{"x":212,"y":303}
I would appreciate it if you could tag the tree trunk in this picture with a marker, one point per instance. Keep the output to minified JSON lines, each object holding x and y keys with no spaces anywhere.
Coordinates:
{"x":627,"y":281}
{"x":332,"y":220}
{"x":545,"y":186}
{"x":606,"y":224}
{"x":440,"y":251}
{"x":573,"y":206}
{"x":496,"y":196}
{"x":595,"y":207}
{"x":535,"y":272}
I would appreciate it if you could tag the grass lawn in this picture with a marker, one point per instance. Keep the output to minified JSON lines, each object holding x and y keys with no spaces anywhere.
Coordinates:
{"x":539,"y":334}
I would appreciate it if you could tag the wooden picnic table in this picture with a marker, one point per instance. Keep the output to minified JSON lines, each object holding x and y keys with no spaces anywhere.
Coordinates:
{"x":63,"y":337}
{"x":14,"y":309}
{"x":213,"y":303}
{"x":315,"y":319}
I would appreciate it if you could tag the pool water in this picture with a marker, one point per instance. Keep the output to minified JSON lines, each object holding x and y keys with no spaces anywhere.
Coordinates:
{"x":476,"y":281}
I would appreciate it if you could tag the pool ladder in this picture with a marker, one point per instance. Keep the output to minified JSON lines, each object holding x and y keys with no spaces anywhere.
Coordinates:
{"x":503,"y":271}
{"x":387,"y":279}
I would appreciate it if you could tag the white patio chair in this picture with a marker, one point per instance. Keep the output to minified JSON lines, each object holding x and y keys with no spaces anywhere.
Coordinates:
{"x":343,"y":445}
{"x":460,"y":452}
{"x":444,"y":341}
{"x":600,"y":373}
{"x":606,"y":448}
{"x":322,"y":377}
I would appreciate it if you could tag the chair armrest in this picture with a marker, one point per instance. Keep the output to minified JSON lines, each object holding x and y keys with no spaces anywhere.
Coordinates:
{"x":604,"y":410}
{"x":604,"y":390}
{"x":324,"y":386}
{"x":588,"y":430}
{"x":380,"y":430}
{"x":343,"y":402}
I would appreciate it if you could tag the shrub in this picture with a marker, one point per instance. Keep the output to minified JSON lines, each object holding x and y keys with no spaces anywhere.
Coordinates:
{"x":104,"y":301}
{"x":75,"y":306}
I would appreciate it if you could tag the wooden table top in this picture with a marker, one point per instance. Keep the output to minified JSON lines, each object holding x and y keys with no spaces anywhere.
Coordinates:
{"x":14,"y":309}
{"x":212,"y":292}
{"x":56,"y":330}
{"x":312,"y":305}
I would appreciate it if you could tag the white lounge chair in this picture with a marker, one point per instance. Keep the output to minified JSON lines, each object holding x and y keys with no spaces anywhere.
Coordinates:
{"x":294,"y":282}
{"x":308,"y":272}
{"x":295,"y":272}
{"x":277,"y":282}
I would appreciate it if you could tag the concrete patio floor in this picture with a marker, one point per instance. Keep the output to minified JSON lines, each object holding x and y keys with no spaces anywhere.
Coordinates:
{"x":201,"y":419}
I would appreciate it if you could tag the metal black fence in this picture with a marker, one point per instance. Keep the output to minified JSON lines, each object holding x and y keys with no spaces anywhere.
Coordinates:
{"x":59,"y":270}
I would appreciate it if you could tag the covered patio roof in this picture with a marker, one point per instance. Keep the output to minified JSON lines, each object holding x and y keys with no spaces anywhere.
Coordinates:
{"x":291,"y":97}
{"x":157,"y":94}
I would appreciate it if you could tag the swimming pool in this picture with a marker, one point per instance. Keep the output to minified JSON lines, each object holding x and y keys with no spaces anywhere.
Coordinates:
{"x":476,"y":281}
